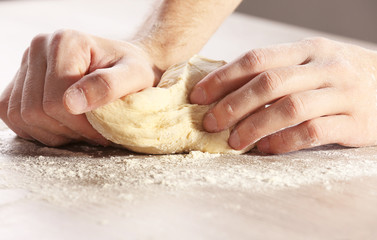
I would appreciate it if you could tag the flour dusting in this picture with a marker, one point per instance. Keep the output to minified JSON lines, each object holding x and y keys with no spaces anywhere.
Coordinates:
{"x":98,"y":175}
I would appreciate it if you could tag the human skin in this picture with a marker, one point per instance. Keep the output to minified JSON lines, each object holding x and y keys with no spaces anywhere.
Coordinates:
{"x":317,"y":91}
{"x":67,"y":73}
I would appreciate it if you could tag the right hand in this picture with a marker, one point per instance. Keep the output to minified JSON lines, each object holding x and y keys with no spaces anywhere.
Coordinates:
{"x":66,"y":74}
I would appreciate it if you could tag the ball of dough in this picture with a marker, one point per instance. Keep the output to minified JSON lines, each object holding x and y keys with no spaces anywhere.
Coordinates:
{"x":161,"y":120}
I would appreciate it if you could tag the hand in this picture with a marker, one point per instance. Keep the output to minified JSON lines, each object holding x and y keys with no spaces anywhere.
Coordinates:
{"x":66,"y":74}
{"x":318,"y":91}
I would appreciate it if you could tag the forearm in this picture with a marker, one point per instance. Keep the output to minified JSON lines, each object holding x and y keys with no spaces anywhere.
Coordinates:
{"x":178,"y":29}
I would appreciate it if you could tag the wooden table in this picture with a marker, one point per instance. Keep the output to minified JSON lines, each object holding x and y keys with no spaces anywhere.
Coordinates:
{"x":84,"y":192}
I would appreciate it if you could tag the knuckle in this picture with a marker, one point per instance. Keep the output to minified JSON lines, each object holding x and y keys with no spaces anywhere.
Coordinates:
{"x":104,"y":81}
{"x":51,"y":108}
{"x":314,"y":131}
{"x":269,"y":82}
{"x":252,"y":129}
{"x":58,"y":38}
{"x":293,"y":107}
{"x":31,"y":116}
{"x":252,"y":58}
{"x":318,"y":44}
{"x":283,"y":139}
{"x":316,"y":41}
{"x":38,"y":40}
{"x":229,"y":106}
{"x":218,"y":78}
{"x":13,"y":115}
{"x":339,"y":65}
{"x":61,"y":35}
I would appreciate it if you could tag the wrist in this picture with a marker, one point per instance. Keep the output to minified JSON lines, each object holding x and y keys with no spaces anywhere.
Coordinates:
{"x":162,"y":54}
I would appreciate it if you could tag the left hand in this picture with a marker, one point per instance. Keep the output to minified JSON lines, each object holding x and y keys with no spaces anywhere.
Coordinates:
{"x":319,"y":91}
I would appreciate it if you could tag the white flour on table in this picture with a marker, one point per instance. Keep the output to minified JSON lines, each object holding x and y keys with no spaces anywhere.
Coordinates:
{"x":97,"y":175}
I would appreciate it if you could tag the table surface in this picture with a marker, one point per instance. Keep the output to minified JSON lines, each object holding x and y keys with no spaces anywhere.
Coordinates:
{"x":82,"y":192}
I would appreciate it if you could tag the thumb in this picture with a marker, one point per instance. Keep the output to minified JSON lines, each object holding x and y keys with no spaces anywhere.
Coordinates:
{"x":105,"y":85}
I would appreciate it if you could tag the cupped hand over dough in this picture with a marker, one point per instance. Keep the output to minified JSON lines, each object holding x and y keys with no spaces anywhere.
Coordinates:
{"x":64,"y":74}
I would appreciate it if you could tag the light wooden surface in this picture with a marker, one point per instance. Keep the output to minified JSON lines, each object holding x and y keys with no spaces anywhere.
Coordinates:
{"x":82,"y":192}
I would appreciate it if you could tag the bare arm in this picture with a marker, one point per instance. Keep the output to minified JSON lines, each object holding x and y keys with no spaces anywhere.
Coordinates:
{"x":178,"y":29}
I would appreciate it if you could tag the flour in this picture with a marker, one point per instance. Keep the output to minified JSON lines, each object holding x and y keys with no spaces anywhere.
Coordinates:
{"x":82,"y":174}
{"x":70,"y":180}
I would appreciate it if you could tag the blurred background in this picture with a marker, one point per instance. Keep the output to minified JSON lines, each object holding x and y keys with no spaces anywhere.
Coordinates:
{"x":351,"y":18}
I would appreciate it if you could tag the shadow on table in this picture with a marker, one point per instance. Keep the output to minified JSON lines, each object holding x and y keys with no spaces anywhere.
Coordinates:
{"x":14,"y":146}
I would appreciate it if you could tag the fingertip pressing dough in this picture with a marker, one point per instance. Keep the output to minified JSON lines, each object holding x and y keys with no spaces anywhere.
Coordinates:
{"x":161,"y":120}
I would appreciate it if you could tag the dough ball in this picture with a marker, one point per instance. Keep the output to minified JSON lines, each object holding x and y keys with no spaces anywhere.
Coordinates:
{"x":161,"y":120}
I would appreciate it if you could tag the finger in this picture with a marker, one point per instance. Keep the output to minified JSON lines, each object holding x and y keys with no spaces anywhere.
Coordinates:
{"x":288,"y":111}
{"x":105,"y":85}
{"x":263,"y":89}
{"x":4,"y":103}
{"x":315,"y":132}
{"x":32,"y":95}
{"x":68,"y":60}
{"x":14,"y":101}
{"x":14,"y":110}
{"x":235,"y":74}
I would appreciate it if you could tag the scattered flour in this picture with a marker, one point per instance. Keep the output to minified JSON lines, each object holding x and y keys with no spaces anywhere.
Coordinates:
{"x":98,"y":175}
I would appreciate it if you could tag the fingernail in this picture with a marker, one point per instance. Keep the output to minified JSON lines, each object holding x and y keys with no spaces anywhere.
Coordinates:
{"x":234,"y":139}
{"x":76,"y":100}
{"x":210,"y":122}
{"x":264,"y":145}
{"x":198,"y":95}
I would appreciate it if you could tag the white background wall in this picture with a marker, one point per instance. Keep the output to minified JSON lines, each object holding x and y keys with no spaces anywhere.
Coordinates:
{"x":352,"y":18}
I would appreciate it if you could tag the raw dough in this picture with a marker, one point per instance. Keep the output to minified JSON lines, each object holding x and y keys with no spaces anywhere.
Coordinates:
{"x":160,"y":120}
